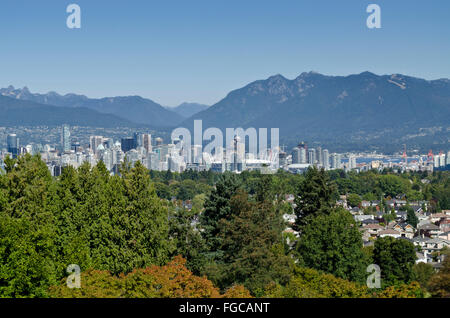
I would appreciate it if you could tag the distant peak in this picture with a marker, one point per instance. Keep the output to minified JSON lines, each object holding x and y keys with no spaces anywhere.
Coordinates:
{"x":367,"y":73}
{"x":277,"y":77}
{"x":308,"y":74}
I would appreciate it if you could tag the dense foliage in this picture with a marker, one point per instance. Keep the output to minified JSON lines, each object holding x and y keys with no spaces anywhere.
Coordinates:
{"x":202,"y":234}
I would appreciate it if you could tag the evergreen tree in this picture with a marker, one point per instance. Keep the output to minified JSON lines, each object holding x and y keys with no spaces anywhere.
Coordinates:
{"x":314,"y":197}
{"x":411,"y":217}
{"x":133,"y":226}
{"x":439,"y":284}
{"x":27,"y":230}
{"x":73,"y":225}
{"x":187,"y":239}
{"x":252,"y":245}
{"x":396,"y":259}
{"x":333,"y":244}
{"x":217,"y":207}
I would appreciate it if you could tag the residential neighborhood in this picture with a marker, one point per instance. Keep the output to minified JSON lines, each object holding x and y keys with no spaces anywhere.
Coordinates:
{"x":430,"y":235}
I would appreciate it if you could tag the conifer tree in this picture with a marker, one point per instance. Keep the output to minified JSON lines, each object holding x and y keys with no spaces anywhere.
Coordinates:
{"x":217,"y":207}
{"x":27,"y":230}
{"x":396,"y":259}
{"x":252,"y":246}
{"x":314,"y":197}
{"x":332,"y":243}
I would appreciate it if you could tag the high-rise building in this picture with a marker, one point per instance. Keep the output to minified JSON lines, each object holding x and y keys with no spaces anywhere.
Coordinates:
{"x":312,"y":156}
{"x":137,"y":140}
{"x":326,"y":159}
{"x":196,"y":154}
{"x":76,"y":146}
{"x":319,"y":156}
{"x":94,"y":142}
{"x":303,"y":150}
{"x":299,"y":153}
{"x":147,"y":142}
{"x":335,"y":161}
{"x":107,"y":158}
{"x":303,"y":155}
{"x":127,"y":144}
{"x":282,"y":158}
{"x":442,"y":159}
{"x":153,"y":161}
{"x":109,"y":143}
{"x":448,"y":158}
{"x":352,"y":162}
{"x":65,"y":138}
{"x":436,"y":161}
{"x":238,"y":157}
{"x":13,"y":145}
{"x":296,"y":155}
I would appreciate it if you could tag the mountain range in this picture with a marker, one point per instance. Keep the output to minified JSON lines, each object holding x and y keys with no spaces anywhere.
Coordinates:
{"x":16,"y":112}
{"x":131,"y":108}
{"x":366,"y":110}
{"x":187,"y":110}
{"x":335,"y":110}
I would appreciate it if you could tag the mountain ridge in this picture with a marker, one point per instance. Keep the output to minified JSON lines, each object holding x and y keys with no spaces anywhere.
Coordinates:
{"x":27,"y":113}
{"x":188,"y":109}
{"x":132,"y":108}
{"x":334,"y":109}
{"x":357,"y":109}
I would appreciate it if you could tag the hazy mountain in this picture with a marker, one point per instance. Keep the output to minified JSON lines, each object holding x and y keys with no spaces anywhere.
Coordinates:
{"x":188,"y":109}
{"x":362,"y":111}
{"x":362,"y":108}
{"x":16,"y":112}
{"x":133,"y":108}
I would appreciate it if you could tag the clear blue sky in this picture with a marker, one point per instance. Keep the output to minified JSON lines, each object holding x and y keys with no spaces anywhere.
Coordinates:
{"x":199,"y":50}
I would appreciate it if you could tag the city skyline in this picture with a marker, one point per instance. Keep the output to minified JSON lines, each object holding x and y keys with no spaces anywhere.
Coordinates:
{"x":178,"y":156}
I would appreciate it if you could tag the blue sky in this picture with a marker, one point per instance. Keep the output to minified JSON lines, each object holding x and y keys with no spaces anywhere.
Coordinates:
{"x":197,"y":51}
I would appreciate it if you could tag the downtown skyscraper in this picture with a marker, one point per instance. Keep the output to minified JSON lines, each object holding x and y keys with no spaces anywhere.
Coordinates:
{"x":65,"y":138}
{"x":12,"y":143}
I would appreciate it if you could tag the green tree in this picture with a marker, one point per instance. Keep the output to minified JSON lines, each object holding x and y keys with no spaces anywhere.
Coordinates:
{"x":252,"y":244}
{"x":198,"y":203}
{"x":127,"y":223}
{"x":217,"y":207}
{"x":354,"y":200}
{"x":188,"y":241}
{"x":315,"y":196}
{"x":73,"y":234}
{"x":163,"y":190}
{"x":414,"y":195}
{"x":411,"y":217}
{"x":393,"y":185}
{"x":422,"y":274}
{"x":140,"y":222}
{"x":333,"y":244}
{"x":310,"y":283}
{"x":27,"y":230}
{"x":369,"y":196}
{"x":439,"y":284}
{"x":396,"y":259}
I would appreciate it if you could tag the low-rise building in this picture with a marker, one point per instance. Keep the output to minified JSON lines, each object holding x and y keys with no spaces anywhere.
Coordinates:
{"x":389,"y":232}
